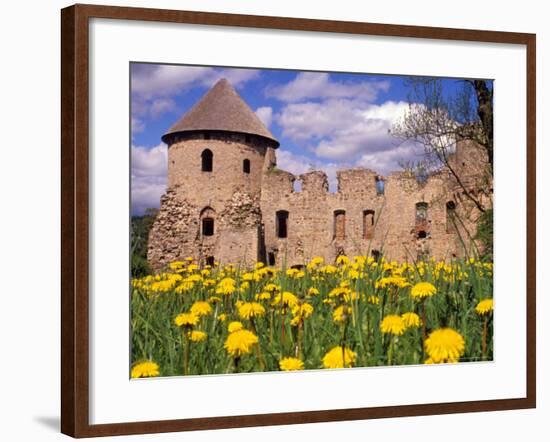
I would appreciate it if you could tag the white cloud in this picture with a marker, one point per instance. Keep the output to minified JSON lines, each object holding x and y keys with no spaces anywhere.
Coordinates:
{"x":137,"y":125}
{"x":155,"y":86}
{"x":160,"y":106}
{"x":265,"y":114}
{"x":149,"y":170}
{"x":308,"y":85}
{"x":153,"y":81}
{"x":348,"y":131}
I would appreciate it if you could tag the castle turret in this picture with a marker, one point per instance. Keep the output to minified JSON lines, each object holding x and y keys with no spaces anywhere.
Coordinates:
{"x":216,"y":156}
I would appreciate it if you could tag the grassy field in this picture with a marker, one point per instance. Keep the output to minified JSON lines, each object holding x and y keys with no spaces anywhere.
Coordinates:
{"x":358,"y":312}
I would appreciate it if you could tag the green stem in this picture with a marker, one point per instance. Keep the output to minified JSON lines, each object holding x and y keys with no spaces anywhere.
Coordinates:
{"x":186,"y":352}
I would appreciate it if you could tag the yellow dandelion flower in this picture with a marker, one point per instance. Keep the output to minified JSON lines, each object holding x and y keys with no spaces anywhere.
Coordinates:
{"x":339,"y":358}
{"x":287,"y":299}
{"x":201,"y":308}
{"x":444,"y":345}
{"x":342,"y":259}
{"x":392,"y":324}
{"x":240,"y":342}
{"x":145,"y":369}
{"x":234,"y":326}
{"x":186,"y":320}
{"x":391,"y":281}
{"x":317,"y":261}
{"x":304,"y":310}
{"x":289,"y":364}
{"x":312,"y":291}
{"x":423,"y":290}
{"x":410,"y":319}
{"x":272,"y":288}
{"x":341,"y":313}
{"x":484,"y":307}
{"x":176,"y":265}
{"x":222,"y":317}
{"x":339,"y":291}
{"x":197,"y":336}
{"x":226,"y":286}
{"x":263,"y":296}
{"x":250,"y":310}
{"x":214,"y":299}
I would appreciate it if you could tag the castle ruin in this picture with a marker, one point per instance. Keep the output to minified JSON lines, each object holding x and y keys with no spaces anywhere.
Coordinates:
{"x":226,"y":200}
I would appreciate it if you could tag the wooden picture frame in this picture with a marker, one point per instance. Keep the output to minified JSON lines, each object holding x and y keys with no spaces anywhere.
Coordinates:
{"x":75,"y":219}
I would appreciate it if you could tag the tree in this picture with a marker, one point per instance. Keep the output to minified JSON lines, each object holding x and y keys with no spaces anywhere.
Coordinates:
{"x":437,"y":120}
{"x":139,"y":232}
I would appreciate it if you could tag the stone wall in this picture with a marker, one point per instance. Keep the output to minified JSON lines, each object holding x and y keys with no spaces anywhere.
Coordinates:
{"x":315,"y":214}
{"x":408,"y":220}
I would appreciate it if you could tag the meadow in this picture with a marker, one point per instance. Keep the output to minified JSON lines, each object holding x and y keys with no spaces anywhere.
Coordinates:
{"x":357,"y":312}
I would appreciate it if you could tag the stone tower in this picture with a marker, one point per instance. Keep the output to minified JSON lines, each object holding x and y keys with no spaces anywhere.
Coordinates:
{"x":217,"y":153}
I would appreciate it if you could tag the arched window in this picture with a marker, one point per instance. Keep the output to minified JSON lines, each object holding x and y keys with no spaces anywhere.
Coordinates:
{"x":207,"y":221}
{"x":246,"y":166}
{"x":207,"y":158}
{"x":368,"y":224}
{"x":340,"y":224}
{"x":281,"y":223}
{"x":450,"y":207}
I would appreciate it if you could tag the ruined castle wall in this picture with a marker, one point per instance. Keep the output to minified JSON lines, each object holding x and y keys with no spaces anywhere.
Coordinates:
{"x":315,"y":224}
{"x":358,"y":219}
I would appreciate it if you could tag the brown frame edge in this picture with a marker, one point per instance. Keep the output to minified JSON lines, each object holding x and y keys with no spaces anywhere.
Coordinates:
{"x":74,"y":219}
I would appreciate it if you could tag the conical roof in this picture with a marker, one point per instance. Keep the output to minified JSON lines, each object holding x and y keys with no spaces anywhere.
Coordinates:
{"x":221,"y":109}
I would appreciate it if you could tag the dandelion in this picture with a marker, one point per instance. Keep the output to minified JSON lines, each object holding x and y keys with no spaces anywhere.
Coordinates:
{"x":290,"y":364}
{"x":222,"y":317}
{"x":312,"y":292}
{"x":240,"y":342}
{"x":145,"y":369}
{"x":391,"y":281}
{"x":272,"y":288}
{"x":263,"y":296}
{"x":303,"y":310}
{"x":340,"y":314}
{"x":339,"y":292}
{"x":339,"y":357}
{"x":234,"y":326}
{"x":410,"y":320}
{"x":287,"y":299}
{"x":392,"y":324}
{"x":186,"y":320}
{"x":444,"y":345}
{"x":250,"y":310}
{"x":227,"y":286}
{"x":197,"y":336}
{"x":484,"y":307}
{"x":201,"y":308}
{"x":342,"y":260}
{"x":422,"y":290}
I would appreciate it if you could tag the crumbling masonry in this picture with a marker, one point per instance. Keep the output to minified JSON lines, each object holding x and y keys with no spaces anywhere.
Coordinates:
{"x":227,"y":201}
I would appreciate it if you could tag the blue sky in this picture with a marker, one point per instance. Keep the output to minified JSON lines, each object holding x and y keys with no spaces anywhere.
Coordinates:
{"x":327,"y":121}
